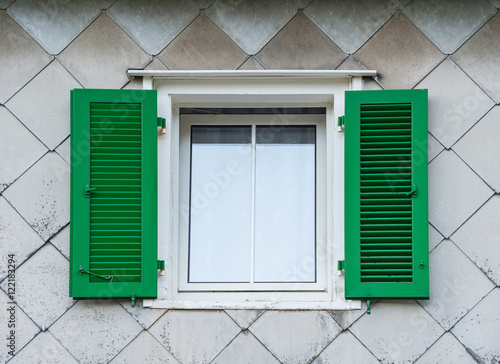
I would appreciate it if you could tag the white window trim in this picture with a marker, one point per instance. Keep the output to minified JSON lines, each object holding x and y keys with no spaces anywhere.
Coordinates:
{"x":249,"y":88}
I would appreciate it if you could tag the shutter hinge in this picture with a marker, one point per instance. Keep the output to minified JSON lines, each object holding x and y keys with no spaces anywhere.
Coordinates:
{"x":368,"y":307}
{"x":88,"y":189}
{"x":340,"y":124}
{"x":162,"y":122}
{"x":109,"y":278}
{"x":340,"y":267}
{"x":413,"y":191}
{"x":132,"y":300}
{"x":160,"y":264}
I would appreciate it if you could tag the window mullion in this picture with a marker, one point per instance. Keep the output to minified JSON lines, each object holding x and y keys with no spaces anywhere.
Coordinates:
{"x":252,"y":236}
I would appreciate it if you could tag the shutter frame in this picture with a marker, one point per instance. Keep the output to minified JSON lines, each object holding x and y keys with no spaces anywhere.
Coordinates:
{"x":80,"y":284}
{"x":355,"y":287}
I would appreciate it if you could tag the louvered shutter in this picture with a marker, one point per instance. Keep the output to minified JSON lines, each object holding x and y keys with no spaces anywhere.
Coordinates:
{"x":386,"y":228}
{"x":113,"y":229}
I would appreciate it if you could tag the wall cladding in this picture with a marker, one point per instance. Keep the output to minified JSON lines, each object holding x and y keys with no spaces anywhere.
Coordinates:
{"x":452,"y":48}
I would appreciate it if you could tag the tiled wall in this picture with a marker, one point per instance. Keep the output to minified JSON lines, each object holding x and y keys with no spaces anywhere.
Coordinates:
{"x":450,"y":47}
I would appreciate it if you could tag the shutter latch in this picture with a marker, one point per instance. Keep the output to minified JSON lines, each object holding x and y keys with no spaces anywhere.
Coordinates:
{"x":340,"y":267}
{"x":132,"y":300}
{"x":160,"y":264}
{"x":368,"y":307}
{"x":341,"y":123}
{"x":109,"y":278}
{"x":413,"y":191}
{"x":88,"y":189}
{"x":163,"y":123}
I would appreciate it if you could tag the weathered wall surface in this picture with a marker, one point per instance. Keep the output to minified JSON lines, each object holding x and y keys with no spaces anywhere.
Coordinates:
{"x":450,"y":47}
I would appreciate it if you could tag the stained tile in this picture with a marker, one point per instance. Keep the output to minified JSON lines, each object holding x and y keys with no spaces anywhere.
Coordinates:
{"x":144,"y":316}
{"x":63,"y":150}
{"x":295,"y":336}
{"x":400,"y":52}
{"x":434,"y":237}
{"x":397,"y":332}
{"x":479,"y":57}
{"x":41,"y":195}
{"x":479,"y":238}
{"x":43,"y":104}
{"x":479,"y":148}
{"x":346,"y":318}
{"x":61,"y":241}
{"x":153,"y":24}
{"x":251,"y":64}
{"x":345,"y":349}
{"x":245,"y":349}
{"x":455,"y":102}
{"x":54,"y":26}
{"x":100,"y":56}
{"x":267,"y":18}
{"x":446,"y":350}
{"x":455,"y":287}
{"x":455,"y":192}
{"x":350,"y":23}
{"x":4,"y":4}
{"x":209,"y":332}
{"x":44,"y":349}
{"x":478,"y":331}
{"x":301,"y":45}
{"x":20,"y":56}
{"x":244,"y":318}
{"x":433,"y":147}
{"x":19,"y":149}
{"x":144,"y":349}
{"x":202,"y":45}
{"x":95,"y":331}
{"x":496,"y":3}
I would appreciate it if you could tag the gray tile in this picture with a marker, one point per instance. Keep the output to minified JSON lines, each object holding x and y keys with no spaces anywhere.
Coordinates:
{"x":400,"y":52}
{"x":397,"y":331}
{"x":446,"y":350}
{"x":245,"y":349}
{"x":64,"y":150}
{"x":433,"y":147}
{"x":350,"y":64}
{"x":455,"y":102}
{"x":455,"y":287}
{"x":479,"y":238}
{"x":496,"y":3}
{"x":144,"y":349}
{"x":202,"y":45}
{"x":20,"y":56}
{"x":4,"y":4}
{"x":43,"y":104}
{"x":95,"y":331}
{"x":52,"y":25}
{"x":345,"y":349}
{"x":478,"y":331}
{"x":19,"y":149}
{"x":101,"y":55}
{"x":244,"y":318}
{"x":61,"y":241}
{"x":301,"y":45}
{"x":41,"y":195}
{"x":144,"y":316}
{"x":295,"y":336}
{"x":434,"y":237}
{"x":455,"y":192}
{"x":153,"y":24}
{"x":346,"y":318}
{"x":369,"y":83}
{"x":479,"y":148}
{"x":350,"y":23}
{"x":251,"y":64}
{"x":251,"y":24}
{"x":480,"y":55}
{"x":136,"y":82}
{"x":209,"y":332}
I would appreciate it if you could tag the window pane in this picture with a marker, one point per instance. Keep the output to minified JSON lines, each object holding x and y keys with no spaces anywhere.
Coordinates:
{"x":220,"y":204}
{"x":285,"y":204}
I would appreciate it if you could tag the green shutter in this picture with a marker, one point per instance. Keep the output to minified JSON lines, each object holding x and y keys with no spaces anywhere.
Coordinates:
{"x":386,"y":218}
{"x":113,"y":234}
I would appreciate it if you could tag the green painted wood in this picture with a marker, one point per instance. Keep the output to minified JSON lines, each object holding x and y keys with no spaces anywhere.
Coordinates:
{"x":113,"y":231}
{"x":386,"y":228}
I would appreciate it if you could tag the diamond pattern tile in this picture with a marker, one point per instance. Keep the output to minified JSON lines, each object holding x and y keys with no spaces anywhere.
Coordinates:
{"x":202,"y":45}
{"x":19,"y":148}
{"x":268,"y":17}
{"x":43,"y":104}
{"x":301,"y":45}
{"x":251,"y":64}
{"x":479,"y":148}
{"x":455,"y":102}
{"x":455,"y":192}
{"x":44,"y":349}
{"x":346,"y":318}
{"x":4,"y":4}
{"x":479,"y":57}
{"x":434,"y":237}
{"x":455,"y":287}
{"x":350,"y":64}
{"x":153,"y":24}
{"x":61,"y":241}
{"x":20,"y":56}
{"x":144,"y":316}
{"x":100,"y":56}
{"x":64,"y":150}
{"x":136,"y":82}
{"x":16,"y":235}
{"x":51,"y":25}
{"x":400,"y":52}
{"x":479,"y":238}
{"x":397,"y":332}
{"x":345,"y":349}
{"x":496,"y":3}
{"x":350,"y":23}
{"x":446,"y":350}
{"x":295,"y":336}
{"x":41,"y":195}
{"x":244,"y":318}
{"x":478,"y":331}
{"x":209,"y":332}
{"x":95,"y":331}
{"x":449,"y":26}
{"x":433,"y":147}
{"x":247,"y":349}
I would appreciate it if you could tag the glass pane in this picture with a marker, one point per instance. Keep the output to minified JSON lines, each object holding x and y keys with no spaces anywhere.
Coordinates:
{"x":285,"y":204}
{"x":220,"y":204}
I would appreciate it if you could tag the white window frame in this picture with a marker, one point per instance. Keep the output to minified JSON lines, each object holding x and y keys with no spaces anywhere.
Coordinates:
{"x":297,"y":88}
